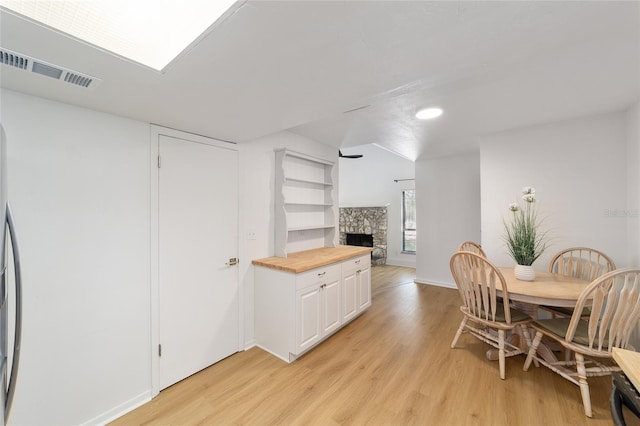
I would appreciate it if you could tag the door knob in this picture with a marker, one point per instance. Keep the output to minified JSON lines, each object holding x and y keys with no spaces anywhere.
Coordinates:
{"x":232,"y":261}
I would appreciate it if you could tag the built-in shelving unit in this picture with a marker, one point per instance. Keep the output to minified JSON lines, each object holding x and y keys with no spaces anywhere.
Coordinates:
{"x":305,"y":210}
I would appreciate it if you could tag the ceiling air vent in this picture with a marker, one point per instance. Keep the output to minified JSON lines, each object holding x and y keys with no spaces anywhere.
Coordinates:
{"x":13,"y":60}
{"x":28,"y":64}
{"x":77,"y":79}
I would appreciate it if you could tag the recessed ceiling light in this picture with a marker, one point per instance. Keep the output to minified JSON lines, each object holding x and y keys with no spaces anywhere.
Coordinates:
{"x":427,"y":113}
{"x":149,"y":32}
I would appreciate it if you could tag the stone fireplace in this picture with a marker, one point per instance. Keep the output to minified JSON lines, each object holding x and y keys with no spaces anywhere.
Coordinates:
{"x":366,"y":226}
{"x":362,"y":240}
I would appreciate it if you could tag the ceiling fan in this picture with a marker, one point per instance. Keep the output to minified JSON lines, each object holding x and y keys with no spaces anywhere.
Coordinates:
{"x":348,"y":156}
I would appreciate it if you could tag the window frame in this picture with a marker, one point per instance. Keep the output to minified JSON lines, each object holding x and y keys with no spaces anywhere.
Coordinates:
{"x":404,"y":221}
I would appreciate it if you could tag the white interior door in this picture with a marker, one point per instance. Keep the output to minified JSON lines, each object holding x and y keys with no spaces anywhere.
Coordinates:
{"x":197,"y":237}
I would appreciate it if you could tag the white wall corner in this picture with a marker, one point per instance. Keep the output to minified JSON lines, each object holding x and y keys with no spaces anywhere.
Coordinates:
{"x":633,"y":179}
{"x":448,"y":206}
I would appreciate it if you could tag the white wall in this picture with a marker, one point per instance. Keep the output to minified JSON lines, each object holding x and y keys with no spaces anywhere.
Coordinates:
{"x":79,"y":183}
{"x":257,"y":186}
{"x":448,"y":205}
{"x":578,"y":169}
{"x":633,"y":179}
{"x":79,"y":187}
{"x":369,"y":182}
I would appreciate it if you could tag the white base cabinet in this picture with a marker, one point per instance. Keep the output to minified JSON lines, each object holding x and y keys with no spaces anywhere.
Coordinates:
{"x":317,"y":306}
{"x":364,"y":288}
{"x":356,"y":286}
{"x":295,"y":312}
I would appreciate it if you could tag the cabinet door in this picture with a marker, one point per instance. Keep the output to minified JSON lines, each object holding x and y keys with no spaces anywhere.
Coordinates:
{"x":331,"y":318}
{"x":364,"y":289}
{"x":308,"y":330}
{"x":349,"y":295}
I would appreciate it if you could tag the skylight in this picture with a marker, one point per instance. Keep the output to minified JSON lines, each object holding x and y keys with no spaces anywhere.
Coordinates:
{"x":150,"y":32}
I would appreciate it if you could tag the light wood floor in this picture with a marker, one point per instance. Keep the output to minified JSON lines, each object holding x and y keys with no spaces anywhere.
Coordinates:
{"x":384,"y":277}
{"x":390,"y":366}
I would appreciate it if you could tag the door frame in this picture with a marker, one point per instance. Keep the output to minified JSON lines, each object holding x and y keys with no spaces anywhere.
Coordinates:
{"x":154,"y":152}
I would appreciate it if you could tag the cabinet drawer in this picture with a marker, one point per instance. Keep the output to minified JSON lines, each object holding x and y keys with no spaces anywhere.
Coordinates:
{"x":318,"y":276}
{"x":360,"y":262}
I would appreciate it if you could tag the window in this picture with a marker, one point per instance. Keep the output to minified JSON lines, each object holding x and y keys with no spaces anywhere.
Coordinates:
{"x":409,"y":221}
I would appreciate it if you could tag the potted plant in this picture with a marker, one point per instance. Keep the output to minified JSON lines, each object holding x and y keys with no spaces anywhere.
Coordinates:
{"x":525,"y":242}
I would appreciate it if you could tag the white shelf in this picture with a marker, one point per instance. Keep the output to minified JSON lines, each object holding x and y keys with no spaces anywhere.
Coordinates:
{"x":312,"y":182}
{"x":304,"y":201}
{"x":309,"y":228}
{"x":301,"y":203}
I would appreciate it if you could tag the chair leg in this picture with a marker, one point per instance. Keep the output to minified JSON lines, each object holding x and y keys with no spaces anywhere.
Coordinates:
{"x":532,"y":350}
{"x":501,"y":352}
{"x":527,"y":339}
{"x":459,"y":332}
{"x":584,"y":386}
{"x":567,"y":355}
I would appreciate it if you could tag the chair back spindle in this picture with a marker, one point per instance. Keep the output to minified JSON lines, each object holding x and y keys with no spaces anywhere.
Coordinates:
{"x":581,"y":262}
{"x":477,"y":280}
{"x":614,"y":299}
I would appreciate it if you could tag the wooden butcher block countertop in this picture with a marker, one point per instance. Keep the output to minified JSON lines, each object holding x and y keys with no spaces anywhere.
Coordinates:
{"x":629,"y":361}
{"x":310,"y":259}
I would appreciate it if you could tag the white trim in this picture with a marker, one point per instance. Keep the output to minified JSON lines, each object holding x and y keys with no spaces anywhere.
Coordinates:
{"x":425,"y":281}
{"x":302,"y":156}
{"x":288,"y":361}
{"x":154,"y":152}
{"x":120,"y":410}
{"x":413,"y":160}
{"x":397,"y":261}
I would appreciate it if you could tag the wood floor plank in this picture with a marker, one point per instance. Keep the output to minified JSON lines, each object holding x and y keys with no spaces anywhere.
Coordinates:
{"x":390,"y":366}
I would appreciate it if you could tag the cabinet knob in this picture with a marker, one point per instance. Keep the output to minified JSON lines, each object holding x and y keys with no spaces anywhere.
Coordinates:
{"x":321,"y":274}
{"x":357,"y":261}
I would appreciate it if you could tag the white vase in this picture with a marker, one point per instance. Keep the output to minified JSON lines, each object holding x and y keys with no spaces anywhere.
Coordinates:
{"x":525,"y":272}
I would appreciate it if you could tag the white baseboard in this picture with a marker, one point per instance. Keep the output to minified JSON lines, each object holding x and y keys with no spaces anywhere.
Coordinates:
{"x":288,"y":361}
{"x":120,"y":410}
{"x":425,"y":281}
{"x":409,"y":263}
{"x":250,"y":344}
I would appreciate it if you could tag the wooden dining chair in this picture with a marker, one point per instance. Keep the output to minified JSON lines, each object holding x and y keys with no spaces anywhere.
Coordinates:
{"x":476,"y":279}
{"x":578,"y":262}
{"x":614,"y":300}
{"x":472,"y":247}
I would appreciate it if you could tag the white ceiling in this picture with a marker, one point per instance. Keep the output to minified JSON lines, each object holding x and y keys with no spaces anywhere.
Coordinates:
{"x":302,"y":65}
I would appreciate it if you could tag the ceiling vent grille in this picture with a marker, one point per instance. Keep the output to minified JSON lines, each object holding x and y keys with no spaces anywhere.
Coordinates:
{"x":36,"y":66}
{"x":13,"y":60}
{"x":77,"y":79}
